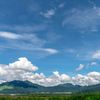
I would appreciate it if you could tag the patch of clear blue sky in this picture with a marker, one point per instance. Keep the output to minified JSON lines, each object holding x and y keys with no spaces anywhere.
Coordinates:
{"x":72,"y":30}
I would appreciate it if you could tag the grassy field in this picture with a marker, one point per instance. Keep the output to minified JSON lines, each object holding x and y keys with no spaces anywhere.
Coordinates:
{"x":51,"y":97}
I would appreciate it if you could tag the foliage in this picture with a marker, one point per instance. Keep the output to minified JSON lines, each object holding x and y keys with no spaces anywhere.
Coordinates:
{"x":51,"y":97}
{"x":5,"y":87}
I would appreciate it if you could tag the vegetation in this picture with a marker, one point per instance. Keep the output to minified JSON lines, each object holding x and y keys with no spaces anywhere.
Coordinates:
{"x":26,"y":87}
{"x":5,"y":87}
{"x":51,"y":97}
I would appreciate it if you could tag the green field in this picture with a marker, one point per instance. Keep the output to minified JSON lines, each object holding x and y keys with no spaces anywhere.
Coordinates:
{"x":51,"y":97}
{"x":5,"y":87}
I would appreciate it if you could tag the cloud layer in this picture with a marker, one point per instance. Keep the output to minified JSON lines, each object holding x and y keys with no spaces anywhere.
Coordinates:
{"x":23,"y":70}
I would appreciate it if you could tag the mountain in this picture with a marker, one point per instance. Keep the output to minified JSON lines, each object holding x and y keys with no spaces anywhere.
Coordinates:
{"x":15,"y":83}
{"x":89,"y":89}
{"x":68,"y":85}
{"x":21,"y":87}
{"x":26,"y":87}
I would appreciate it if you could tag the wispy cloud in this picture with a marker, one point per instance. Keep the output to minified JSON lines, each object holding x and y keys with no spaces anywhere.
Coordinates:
{"x":80,"y":67}
{"x":88,"y":18}
{"x":70,"y":50}
{"x":90,"y":55}
{"x":94,"y":29}
{"x":61,"y":5}
{"x":33,"y":7}
{"x":96,"y":55}
{"x":9,"y":35}
{"x":24,"y":28}
{"x":49,"y":13}
{"x":94,"y":5}
{"x":77,"y":55}
{"x":52,"y":36}
{"x":25,"y":42}
{"x":52,"y":51}
{"x":94,"y":63}
{"x":87,"y":66}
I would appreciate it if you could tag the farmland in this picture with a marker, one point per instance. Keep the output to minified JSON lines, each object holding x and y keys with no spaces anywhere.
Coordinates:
{"x":51,"y":97}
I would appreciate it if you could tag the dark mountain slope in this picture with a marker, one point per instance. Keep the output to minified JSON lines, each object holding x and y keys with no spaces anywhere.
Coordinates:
{"x":68,"y":85}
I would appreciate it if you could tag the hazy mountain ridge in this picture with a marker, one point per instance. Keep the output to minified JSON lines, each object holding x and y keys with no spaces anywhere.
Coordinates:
{"x":28,"y":87}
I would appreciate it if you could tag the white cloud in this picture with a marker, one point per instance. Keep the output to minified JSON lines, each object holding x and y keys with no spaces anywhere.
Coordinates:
{"x":9,"y":35}
{"x":56,"y":73}
{"x":94,"y":63}
{"x":90,"y":55}
{"x":22,"y":70}
{"x":87,"y":18}
{"x":52,"y":51}
{"x":80,"y":67}
{"x":96,"y":55}
{"x":49,"y":13}
{"x":61,"y":5}
{"x":22,"y":64}
{"x":55,"y":79}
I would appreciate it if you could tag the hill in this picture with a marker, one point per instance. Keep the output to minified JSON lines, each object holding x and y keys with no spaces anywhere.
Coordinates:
{"x":26,"y":87}
{"x":22,"y":87}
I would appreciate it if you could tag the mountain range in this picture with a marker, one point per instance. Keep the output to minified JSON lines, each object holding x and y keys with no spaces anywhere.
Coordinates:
{"x":26,"y":87}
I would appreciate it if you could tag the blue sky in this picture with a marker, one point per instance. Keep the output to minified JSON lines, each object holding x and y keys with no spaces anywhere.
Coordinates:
{"x":59,"y":39}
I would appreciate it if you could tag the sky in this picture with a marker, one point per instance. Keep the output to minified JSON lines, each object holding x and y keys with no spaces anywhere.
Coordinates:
{"x":50,"y":42}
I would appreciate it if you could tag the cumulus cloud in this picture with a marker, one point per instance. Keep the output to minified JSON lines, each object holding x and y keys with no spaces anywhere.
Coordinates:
{"x":23,"y":70}
{"x":55,"y":79}
{"x":48,"y":14}
{"x":94,"y":63}
{"x":9,"y":35}
{"x":22,"y":64}
{"x":80,"y":67}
